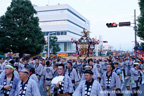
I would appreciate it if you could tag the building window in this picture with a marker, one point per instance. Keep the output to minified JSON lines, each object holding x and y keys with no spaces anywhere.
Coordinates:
{"x":65,"y":46}
{"x":47,"y":23}
{"x":74,"y":25}
{"x":58,"y":33}
{"x":54,"y":12}
{"x":51,"y":12}
{"x":69,"y":46}
{"x":62,"y":33}
{"x":65,"y":33}
{"x":55,"y":33}
{"x":75,"y":16}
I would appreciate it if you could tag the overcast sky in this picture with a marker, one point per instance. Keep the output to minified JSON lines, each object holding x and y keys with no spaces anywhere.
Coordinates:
{"x":100,"y":12}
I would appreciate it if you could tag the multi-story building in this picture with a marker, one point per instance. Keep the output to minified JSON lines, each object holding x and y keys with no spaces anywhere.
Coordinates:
{"x":64,"y":22}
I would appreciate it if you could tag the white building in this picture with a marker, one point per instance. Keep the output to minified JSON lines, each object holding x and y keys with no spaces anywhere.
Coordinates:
{"x":106,"y":49}
{"x":64,"y":22}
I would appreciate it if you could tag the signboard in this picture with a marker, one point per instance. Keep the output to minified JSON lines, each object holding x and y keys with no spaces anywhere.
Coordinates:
{"x":74,"y":54}
{"x":140,"y":47}
{"x":140,"y":55}
{"x":46,"y":55}
{"x":124,"y":24}
{"x":62,"y":55}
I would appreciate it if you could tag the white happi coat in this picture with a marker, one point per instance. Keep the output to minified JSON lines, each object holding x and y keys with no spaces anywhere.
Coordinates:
{"x":115,"y":82}
{"x":95,"y":91}
{"x":68,"y":86}
{"x":73,"y":75}
{"x":32,"y":88}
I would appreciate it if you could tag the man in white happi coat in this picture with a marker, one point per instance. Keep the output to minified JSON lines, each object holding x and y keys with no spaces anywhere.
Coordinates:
{"x":110,"y":82}
{"x":89,"y":86}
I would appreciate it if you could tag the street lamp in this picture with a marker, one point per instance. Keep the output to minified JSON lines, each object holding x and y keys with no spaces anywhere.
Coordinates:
{"x":48,"y":42}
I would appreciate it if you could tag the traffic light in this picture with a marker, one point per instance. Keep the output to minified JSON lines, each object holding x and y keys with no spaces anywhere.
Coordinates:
{"x":105,"y":41}
{"x":97,"y":42}
{"x":109,"y":25}
{"x":124,"y":24}
{"x":135,"y":48}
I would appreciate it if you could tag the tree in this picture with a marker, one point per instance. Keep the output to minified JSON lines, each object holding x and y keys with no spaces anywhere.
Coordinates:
{"x":19,"y":29}
{"x":140,"y":32}
{"x":54,"y":47}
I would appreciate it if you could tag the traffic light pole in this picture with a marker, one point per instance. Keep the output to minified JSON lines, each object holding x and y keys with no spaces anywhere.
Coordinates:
{"x":135,"y":29}
{"x":121,"y":24}
{"x":48,"y":44}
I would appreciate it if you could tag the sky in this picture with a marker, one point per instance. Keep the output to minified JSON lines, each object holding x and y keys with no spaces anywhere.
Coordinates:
{"x":100,"y":12}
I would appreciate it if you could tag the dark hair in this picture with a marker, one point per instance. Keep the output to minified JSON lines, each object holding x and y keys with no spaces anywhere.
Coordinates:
{"x":89,"y":72}
{"x":47,"y":63}
{"x":110,"y":65}
{"x":58,"y":60}
{"x":35,"y":58}
{"x":110,"y":57}
{"x":135,"y":65}
{"x":70,"y":63}
{"x":109,"y":60}
{"x":16,"y":67}
{"x":32,"y":70}
{"x":12,"y":62}
{"x":43,"y":59}
{"x":61,"y":65}
{"x":100,"y":60}
{"x":54,"y":62}
{"x":84,"y":60}
{"x":90,"y":60}
{"x":26,"y":60}
{"x":17,"y":59}
{"x":116,"y":63}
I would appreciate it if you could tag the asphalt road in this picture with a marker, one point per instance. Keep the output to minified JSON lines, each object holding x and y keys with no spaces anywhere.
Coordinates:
{"x":127,"y":92}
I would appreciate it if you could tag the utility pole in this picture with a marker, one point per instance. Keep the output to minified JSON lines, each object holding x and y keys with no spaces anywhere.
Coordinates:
{"x":48,"y":44}
{"x":135,"y":29}
{"x":122,"y":24}
{"x":101,"y":45}
{"x":96,"y":47}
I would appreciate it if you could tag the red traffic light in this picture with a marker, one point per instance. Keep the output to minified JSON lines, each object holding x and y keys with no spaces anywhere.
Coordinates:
{"x":105,"y":41}
{"x":114,"y":24}
{"x":109,"y":25}
{"x":98,"y":42}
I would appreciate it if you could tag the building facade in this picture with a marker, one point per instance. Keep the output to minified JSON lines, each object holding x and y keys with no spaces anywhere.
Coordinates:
{"x":63,"y":22}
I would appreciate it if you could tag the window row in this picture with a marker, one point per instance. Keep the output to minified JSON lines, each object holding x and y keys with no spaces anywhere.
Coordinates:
{"x":56,"y":33}
{"x":64,"y":11}
{"x":61,"y":23}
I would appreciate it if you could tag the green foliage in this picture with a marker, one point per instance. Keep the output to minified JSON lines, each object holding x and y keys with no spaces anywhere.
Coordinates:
{"x":54,"y":47}
{"x":140,"y":32}
{"x":19,"y":29}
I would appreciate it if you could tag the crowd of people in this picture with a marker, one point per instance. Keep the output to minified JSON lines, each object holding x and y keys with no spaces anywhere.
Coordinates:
{"x":74,"y":77}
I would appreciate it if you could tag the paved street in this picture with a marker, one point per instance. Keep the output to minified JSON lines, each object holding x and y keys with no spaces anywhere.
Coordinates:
{"x":127,"y":92}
